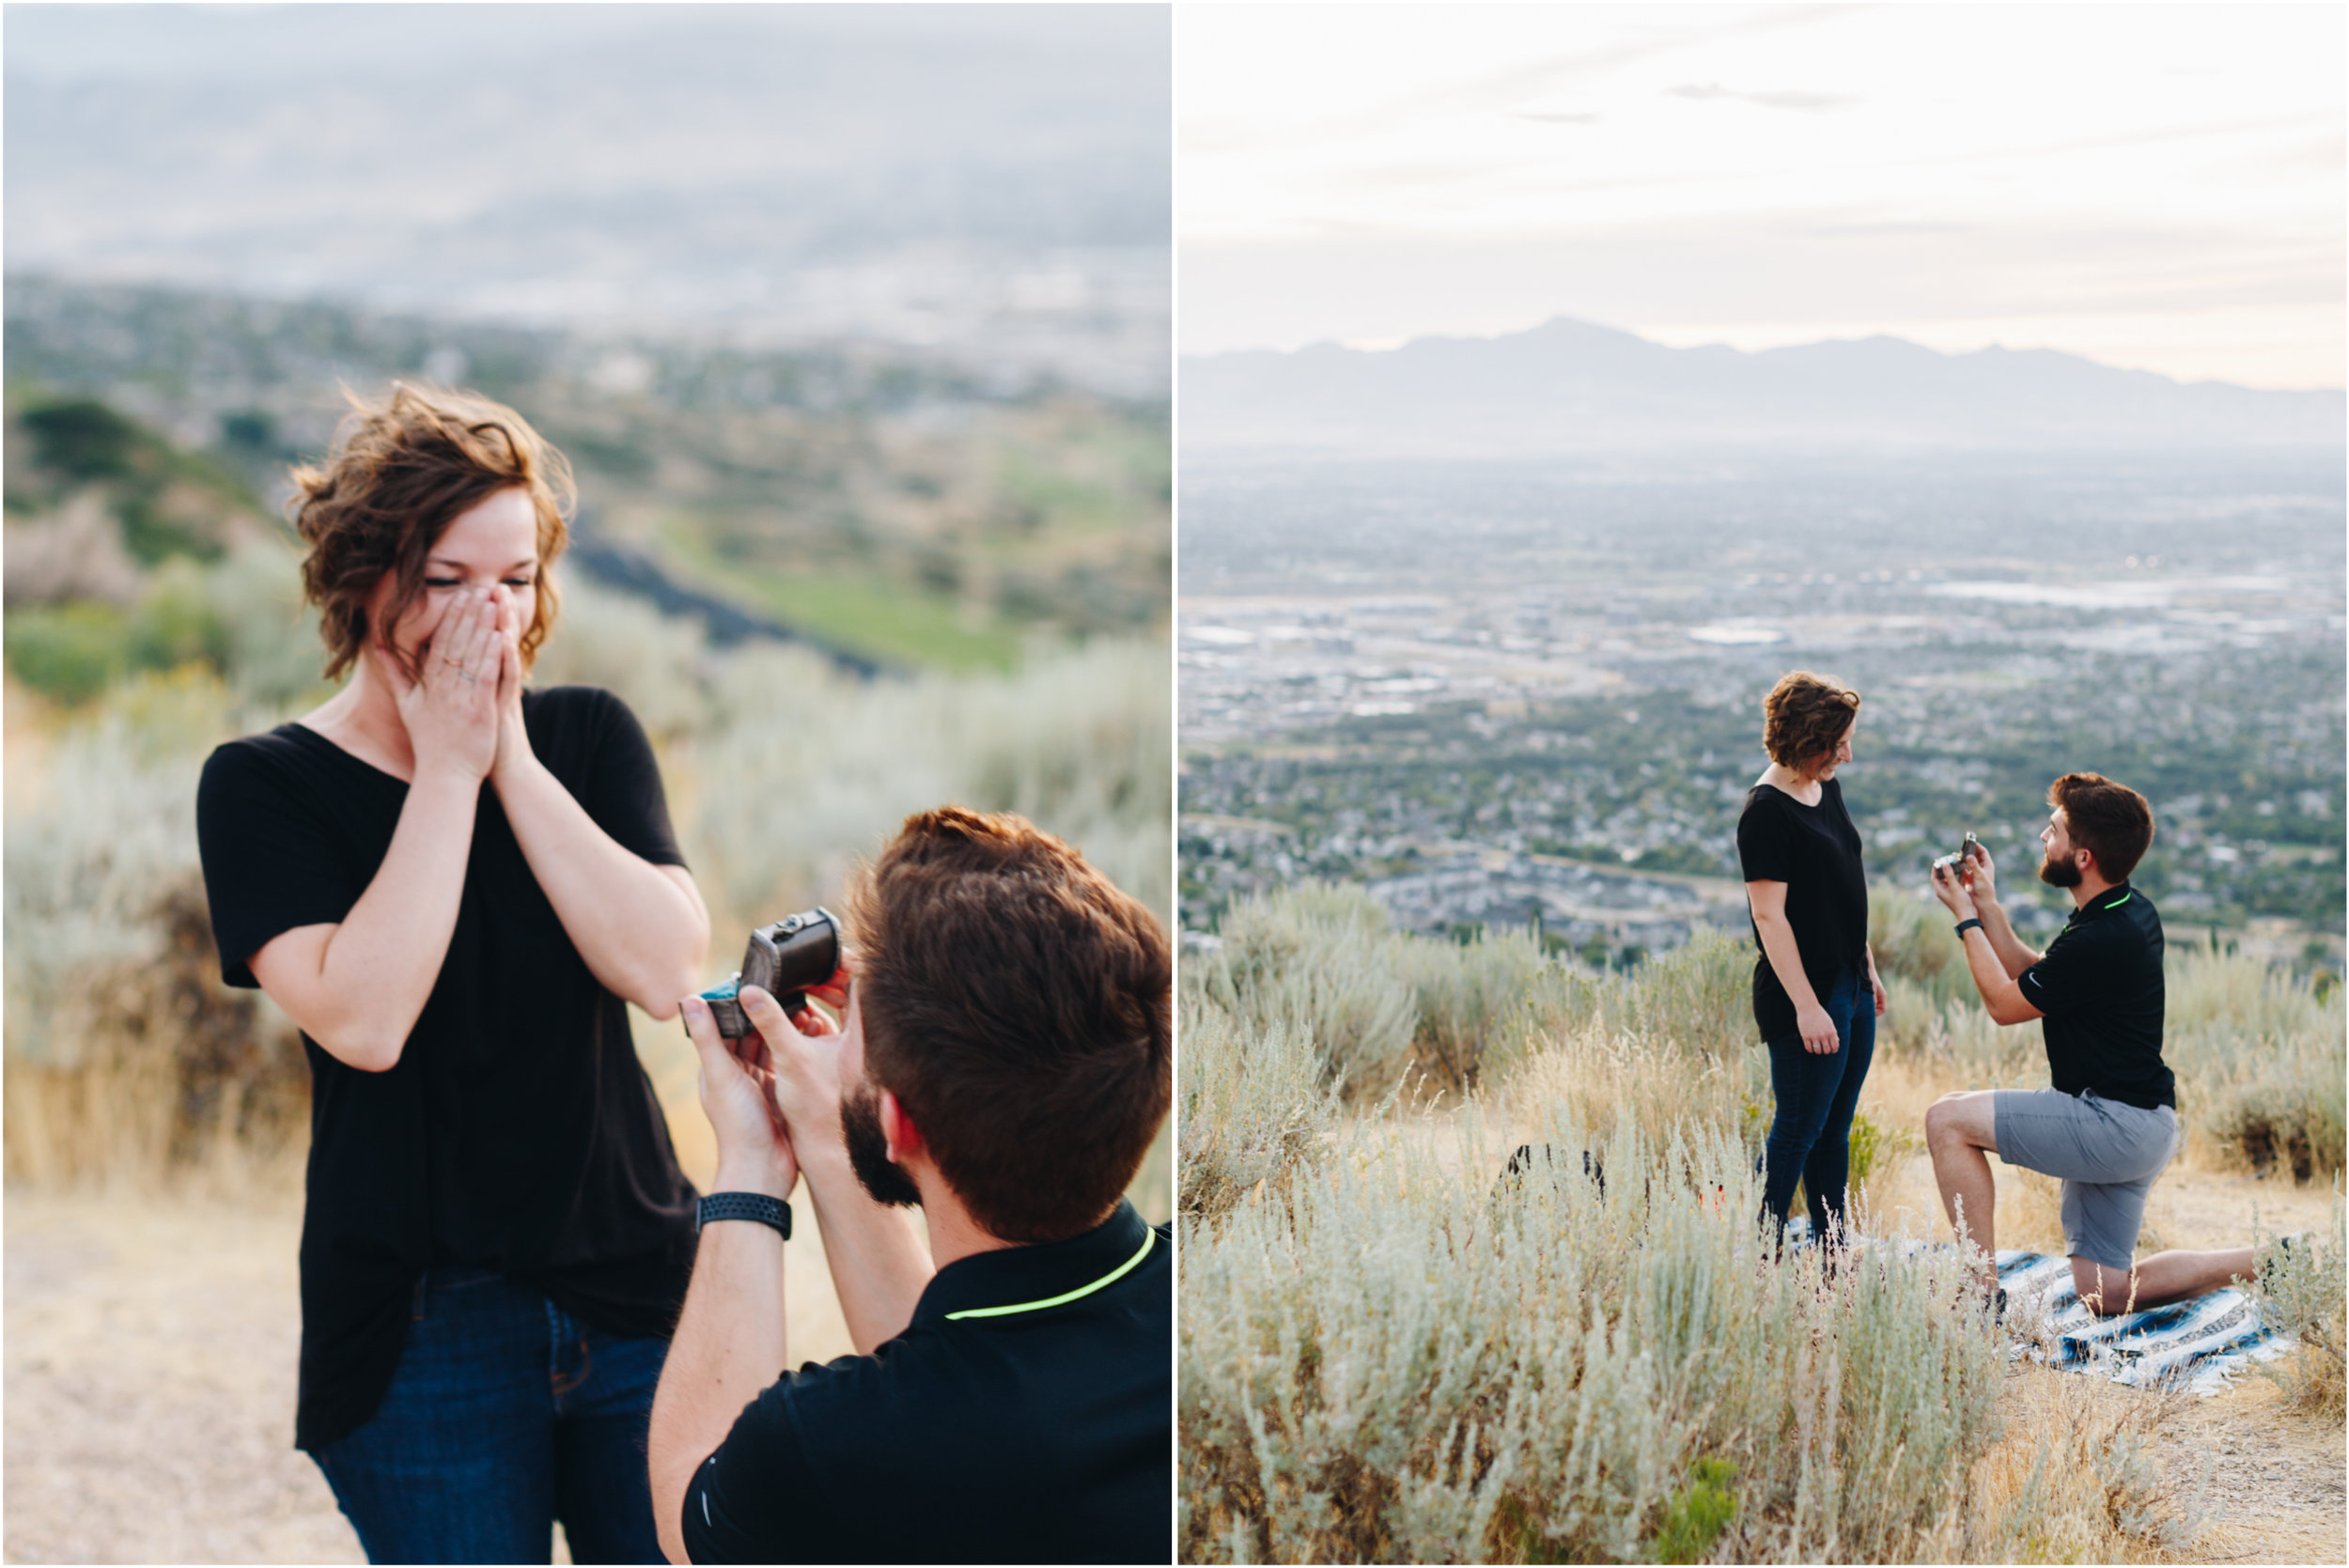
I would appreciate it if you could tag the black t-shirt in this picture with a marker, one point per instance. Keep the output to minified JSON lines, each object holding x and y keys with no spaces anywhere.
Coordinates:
{"x":2099,"y":984}
{"x":1041,"y":1434}
{"x":518,"y":1131}
{"x":1815,"y":851}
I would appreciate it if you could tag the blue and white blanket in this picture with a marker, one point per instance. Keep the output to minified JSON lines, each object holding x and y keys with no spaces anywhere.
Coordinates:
{"x":2196,"y":1344}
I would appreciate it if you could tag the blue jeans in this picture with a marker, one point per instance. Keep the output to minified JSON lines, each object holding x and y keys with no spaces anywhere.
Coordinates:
{"x":1810,"y":1135}
{"x":507,"y":1414}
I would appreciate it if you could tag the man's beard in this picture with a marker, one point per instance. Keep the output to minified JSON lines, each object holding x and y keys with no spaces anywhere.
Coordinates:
{"x":2064,"y":873}
{"x":868,"y":1149}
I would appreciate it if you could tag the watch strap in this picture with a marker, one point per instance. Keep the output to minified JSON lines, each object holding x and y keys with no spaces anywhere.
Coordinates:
{"x":1969,"y":924}
{"x":743,"y":1205}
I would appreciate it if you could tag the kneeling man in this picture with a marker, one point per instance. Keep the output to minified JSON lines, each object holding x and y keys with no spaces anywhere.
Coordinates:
{"x":2110,"y":1122}
{"x":1004,"y":1064}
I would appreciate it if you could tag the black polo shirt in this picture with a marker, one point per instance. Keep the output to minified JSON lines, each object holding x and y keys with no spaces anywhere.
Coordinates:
{"x":2099,"y":984}
{"x":1026,"y":1415}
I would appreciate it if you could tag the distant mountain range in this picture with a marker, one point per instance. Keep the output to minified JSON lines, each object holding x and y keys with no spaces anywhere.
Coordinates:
{"x":1568,"y":386}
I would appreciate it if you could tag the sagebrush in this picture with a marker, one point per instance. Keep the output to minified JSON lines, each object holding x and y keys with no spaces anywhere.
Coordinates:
{"x":1392,"y":1352}
{"x":125,"y":1056}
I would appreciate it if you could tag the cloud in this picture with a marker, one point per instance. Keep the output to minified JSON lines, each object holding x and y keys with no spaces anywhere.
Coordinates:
{"x":1241,"y":134}
{"x":2127,"y":138}
{"x":1802,"y":101}
{"x":1555,"y":119}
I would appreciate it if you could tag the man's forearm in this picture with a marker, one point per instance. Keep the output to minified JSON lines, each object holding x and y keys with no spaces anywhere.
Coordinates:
{"x":880,"y":1264}
{"x":728,"y":1349}
{"x":2001,"y":996}
{"x":2013,"y":955}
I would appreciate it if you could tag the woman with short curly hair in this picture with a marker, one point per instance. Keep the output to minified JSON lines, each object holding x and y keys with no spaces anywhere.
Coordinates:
{"x":1816,"y":996}
{"x":455,"y":884}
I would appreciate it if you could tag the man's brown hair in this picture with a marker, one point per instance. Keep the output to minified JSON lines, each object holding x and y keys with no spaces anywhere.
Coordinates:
{"x":399,"y":473}
{"x":1020,"y":1008}
{"x":1804,"y":718}
{"x":2110,"y":820}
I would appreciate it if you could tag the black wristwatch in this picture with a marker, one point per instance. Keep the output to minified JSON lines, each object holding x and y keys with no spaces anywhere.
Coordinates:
{"x":743,"y":1205}
{"x":1970,"y":921}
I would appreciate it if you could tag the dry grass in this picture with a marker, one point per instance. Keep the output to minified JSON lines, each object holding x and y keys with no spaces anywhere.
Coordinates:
{"x":1394,"y":1361}
{"x":1388,"y":1356}
{"x":128,"y":1061}
{"x":2302,"y":1288}
{"x":2074,"y":1478}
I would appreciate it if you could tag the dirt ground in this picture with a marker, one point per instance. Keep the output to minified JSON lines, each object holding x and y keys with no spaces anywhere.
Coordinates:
{"x":2276,"y":1492}
{"x":149,"y":1379}
{"x":2274,"y":1478}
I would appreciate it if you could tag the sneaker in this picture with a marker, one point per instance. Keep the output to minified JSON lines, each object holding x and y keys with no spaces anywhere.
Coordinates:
{"x":1988,"y":1309}
{"x":2266,"y":1263}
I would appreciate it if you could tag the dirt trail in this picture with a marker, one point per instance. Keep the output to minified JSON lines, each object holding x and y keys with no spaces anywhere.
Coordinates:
{"x":149,"y":1375}
{"x":2276,"y":1492}
{"x":2275,"y":1478}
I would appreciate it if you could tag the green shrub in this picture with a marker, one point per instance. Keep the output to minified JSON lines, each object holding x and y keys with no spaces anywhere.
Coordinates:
{"x":1391,"y":1364}
{"x":653,"y":662}
{"x":241,"y":618}
{"x":799,"y":769}
{"x":1252,"y":1108}
{"x":2261,"y":1061}
{"x":1471,"y":998}
{"x":1876,"y":1147}
{"x":126,"y":1054}
{"x":1698,"y":1513}
{"x":1700,"y":993}
{"x":1911,"y":937}
{"x":1318,"y":963}
{"x":2304,"y":1290}
{"x":83,"y":438}
{"x":69,"y":652}
{"x":178,"y":621}
{"x":1591,"y":1071}
{"x":790,"y":774}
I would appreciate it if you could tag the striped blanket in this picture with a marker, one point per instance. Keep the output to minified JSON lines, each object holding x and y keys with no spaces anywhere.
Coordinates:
{"x":2196,"y":1344}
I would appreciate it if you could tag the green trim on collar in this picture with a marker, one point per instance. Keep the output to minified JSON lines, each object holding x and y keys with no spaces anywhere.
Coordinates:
{"x":2123,"y":899}
{"x":1149,"y":1239}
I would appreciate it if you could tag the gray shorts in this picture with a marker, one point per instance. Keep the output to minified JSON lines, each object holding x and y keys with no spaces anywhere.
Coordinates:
{"x":2106,"y":1155}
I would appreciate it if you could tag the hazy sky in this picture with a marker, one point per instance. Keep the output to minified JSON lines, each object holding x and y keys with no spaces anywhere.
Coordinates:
{"x":2157,"y":187}
{"x":986,"y":181}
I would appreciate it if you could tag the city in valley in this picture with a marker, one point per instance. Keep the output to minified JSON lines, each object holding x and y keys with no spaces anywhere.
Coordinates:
{"x":1508,"y":693}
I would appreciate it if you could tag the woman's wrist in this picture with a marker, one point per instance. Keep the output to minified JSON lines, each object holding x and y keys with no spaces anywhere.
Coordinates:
{"x":515,"y":763}
{"x":449,"y":775}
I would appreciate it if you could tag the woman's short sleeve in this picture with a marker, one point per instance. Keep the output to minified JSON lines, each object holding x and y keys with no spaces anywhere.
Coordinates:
{"x":1766,"y":852}
{"x":622,"y":791}
{"x":272,"y":864}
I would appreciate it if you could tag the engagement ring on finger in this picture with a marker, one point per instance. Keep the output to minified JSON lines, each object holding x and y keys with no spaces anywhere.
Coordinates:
{"x":467,"y":674}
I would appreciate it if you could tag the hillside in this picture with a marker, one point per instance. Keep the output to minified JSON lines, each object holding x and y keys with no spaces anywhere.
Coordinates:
{"x":879,"y":504}
{"x":1571,"y":386}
